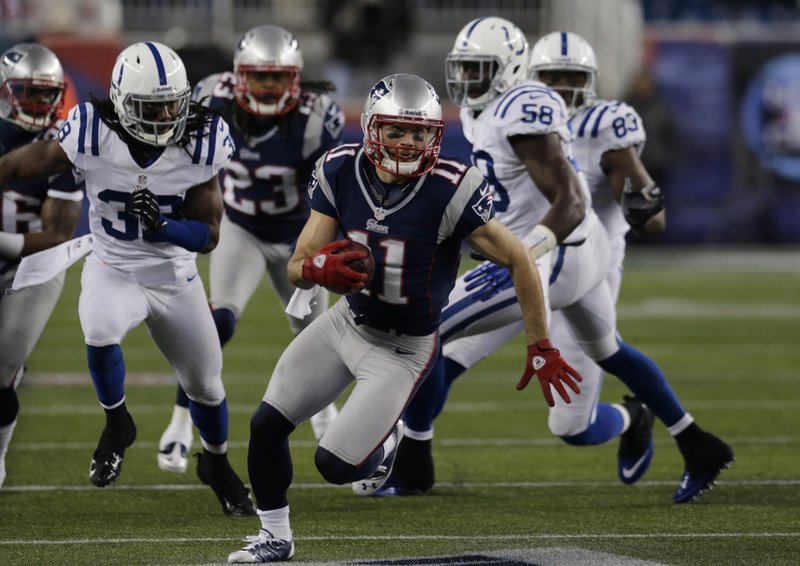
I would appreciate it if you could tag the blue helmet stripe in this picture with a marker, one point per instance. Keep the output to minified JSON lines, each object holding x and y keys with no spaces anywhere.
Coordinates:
{"x":162,"y":73}
{"x":564,"y":43}
{"x":472,"y":27}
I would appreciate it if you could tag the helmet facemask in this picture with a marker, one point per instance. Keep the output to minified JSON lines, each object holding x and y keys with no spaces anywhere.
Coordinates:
{"x":34,"y":103}
{"x":155,"y":119}
{"x":389,"y":147}
{"x":472,"y":80}
{"x":576,"y":86}
{"x":267,"y":90}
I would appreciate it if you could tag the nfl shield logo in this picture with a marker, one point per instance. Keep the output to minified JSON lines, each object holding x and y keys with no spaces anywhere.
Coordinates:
{"x":380,"y":213}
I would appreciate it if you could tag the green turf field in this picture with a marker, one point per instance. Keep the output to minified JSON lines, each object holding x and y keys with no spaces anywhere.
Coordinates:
{"x":724,"y":327}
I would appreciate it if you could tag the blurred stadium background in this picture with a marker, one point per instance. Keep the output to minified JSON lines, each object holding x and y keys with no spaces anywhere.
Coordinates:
{"x":715,"y":80}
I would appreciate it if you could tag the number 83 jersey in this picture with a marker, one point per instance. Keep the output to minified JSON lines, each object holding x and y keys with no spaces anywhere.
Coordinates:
{"x":112,"y":174}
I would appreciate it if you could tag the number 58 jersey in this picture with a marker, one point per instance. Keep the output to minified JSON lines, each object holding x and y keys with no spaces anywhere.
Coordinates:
{"x":527,"y":109}
{"x":112,"y":174}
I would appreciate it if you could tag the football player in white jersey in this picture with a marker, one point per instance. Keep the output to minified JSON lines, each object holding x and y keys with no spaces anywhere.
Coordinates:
{"x":150,"y":159}
{"x":578,"y":285}
{"x":608,"y":136}
{"x":281,"y":124}
{"x":36,"y":215}
{"x":412,"y":208}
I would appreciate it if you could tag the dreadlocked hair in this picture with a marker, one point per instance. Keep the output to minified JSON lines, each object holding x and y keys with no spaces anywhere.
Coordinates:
{"x":320,"y":87}
{"x":198,"y":119}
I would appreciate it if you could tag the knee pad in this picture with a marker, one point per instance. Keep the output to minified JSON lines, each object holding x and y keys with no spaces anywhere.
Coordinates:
{"x":564,"y":423}
{"x":225,"y":321}
{"x":334,"y":469}
{"x":268,"y":422}
{"x":9,"y":406}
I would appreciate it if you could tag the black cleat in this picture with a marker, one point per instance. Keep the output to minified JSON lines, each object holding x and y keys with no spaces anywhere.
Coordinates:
{"x":413,"y":472}
{"x":215,"y":471}
{"x":107,"y":458}
{"x":705,"y":460}
{"x":635,"y":444}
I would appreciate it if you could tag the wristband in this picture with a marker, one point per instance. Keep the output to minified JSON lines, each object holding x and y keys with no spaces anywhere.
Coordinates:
{"x":11,"y":245}
{"x":192,"y":235}
{"x":540,"y":240}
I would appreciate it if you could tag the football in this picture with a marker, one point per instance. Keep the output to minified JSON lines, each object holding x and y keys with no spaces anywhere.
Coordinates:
{"x":366,"y":265}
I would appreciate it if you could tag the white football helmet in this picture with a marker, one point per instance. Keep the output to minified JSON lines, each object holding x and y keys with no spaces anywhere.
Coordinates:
{"x":268,"y":49}
{"x":489,"y":56}
{"x":567,"y":52}
{"x":404,"y":101}
{"x":150,"y":93}
{"x":31,"y":86}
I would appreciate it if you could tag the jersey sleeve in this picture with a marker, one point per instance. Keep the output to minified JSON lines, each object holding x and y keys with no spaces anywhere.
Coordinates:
{"x":320,"y":190}
{"x":212,"y":146}
{"x":613,"y":125}
{"x":471,"y":206}
{"x":69,"y":184}
{"x":532,"y":109}
{"x":79,"y":134}
{"x":324,"y":126}
{"x":204,"y":89}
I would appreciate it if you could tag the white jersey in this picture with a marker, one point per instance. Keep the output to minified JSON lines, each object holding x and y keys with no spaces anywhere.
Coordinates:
{"x":607,"y":125}
{"x":112,"y":175}
{"x":530,"y":108}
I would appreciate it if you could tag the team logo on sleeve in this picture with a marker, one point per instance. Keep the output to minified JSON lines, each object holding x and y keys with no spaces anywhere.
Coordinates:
{"x":313,"y":183}
{"x":483,"y":208}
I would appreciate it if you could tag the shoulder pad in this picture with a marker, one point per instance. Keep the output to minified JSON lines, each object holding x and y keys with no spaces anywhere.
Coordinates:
{"x":611,"y":123}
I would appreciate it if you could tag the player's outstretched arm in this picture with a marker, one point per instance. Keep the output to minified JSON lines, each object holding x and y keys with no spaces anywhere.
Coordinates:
{"x":556,"y":178}
{"x":37,"y":159}
{"x":59,"y":220}
{"x":495,"y":242}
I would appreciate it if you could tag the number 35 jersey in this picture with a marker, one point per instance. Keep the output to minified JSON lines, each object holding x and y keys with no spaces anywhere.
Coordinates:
{"x":112,"y":174}
{"x":264,"y":182}
{"x":528,"y":109}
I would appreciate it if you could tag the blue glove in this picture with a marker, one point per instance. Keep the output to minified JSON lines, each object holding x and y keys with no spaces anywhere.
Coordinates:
{"x":489,"y":279}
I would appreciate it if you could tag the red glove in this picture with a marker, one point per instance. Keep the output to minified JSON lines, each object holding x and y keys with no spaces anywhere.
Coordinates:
{"x":329,"y":269}
{"x":550,"y":368}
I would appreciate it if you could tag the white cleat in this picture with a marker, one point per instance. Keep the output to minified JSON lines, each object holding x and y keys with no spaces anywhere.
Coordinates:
{"x":322,"y":420}
{"x":173,"y":458}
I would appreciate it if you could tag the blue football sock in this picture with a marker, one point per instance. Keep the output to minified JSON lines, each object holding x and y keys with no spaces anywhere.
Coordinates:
{"x":212,"y":422}
{"x":420,"y":412}
{"x":645,"y":379}
{"x":107,"y":368}
{"x":181,"y":399}
{"x":607,"y":426}
{"x":225,"y":321}
{"x":452,"y":369}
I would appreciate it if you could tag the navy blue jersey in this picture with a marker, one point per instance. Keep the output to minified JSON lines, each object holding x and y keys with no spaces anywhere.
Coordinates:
{"x":21,"y":205}
{"x":416,"y":240}
{"x":264,"y":182}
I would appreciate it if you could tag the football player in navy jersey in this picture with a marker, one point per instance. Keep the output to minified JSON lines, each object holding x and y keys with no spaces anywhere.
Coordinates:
{"x":150,"y":158}
{"x":412,"y":209}
{"x":280,"y":124}
{"x":36,"y":215}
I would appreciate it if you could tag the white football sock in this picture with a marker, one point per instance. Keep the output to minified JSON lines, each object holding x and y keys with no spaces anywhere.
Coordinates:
{"x":276,"y":521}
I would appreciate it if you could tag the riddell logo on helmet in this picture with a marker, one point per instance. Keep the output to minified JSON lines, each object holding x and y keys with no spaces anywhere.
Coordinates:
{"x":414,"y":113}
